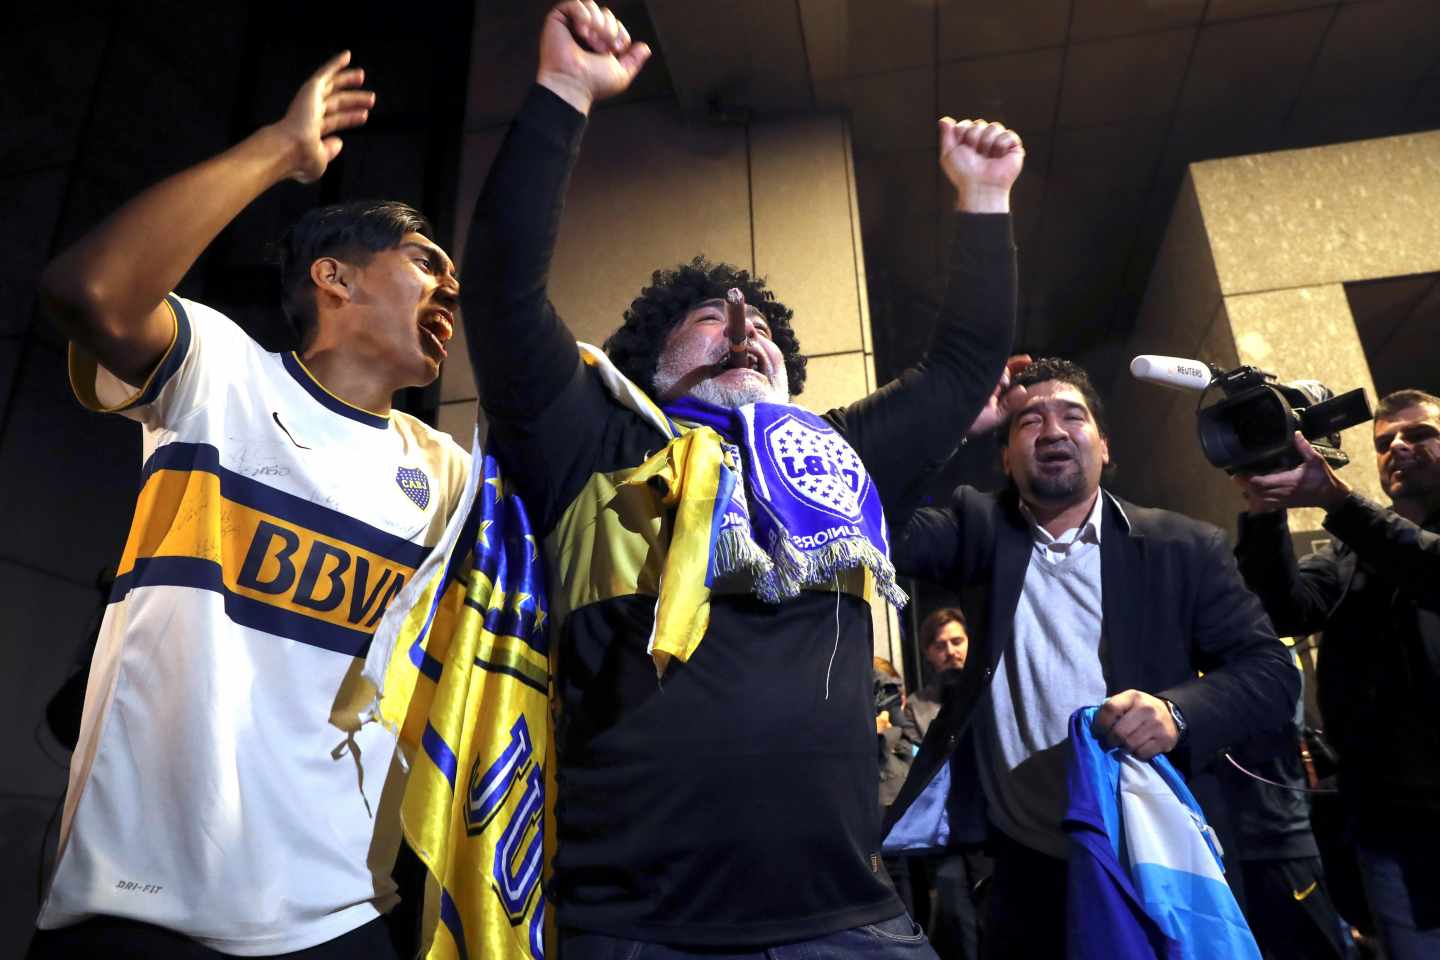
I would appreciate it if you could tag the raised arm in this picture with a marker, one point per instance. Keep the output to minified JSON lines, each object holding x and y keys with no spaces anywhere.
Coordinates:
{"x":105,"y":293}
{"x":1301,"y":597}
{"x":1298,"y":596}
{"x":1400,"y":550}
{"x":521,"y":352}
{"x":1403,"y":552}
{"x":912,"y":424}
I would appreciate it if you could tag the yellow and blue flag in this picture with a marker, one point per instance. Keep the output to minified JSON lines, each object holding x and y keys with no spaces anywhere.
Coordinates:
{"x":464,"y":675}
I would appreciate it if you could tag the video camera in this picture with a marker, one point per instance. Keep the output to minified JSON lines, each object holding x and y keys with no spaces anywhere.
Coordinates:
{"x":1250,"y":427}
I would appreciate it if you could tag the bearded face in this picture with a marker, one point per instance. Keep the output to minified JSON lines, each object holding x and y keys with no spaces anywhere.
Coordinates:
{"x":696,"y":361}
{"x":1055,"y":451}
{"x":1407,"y":452}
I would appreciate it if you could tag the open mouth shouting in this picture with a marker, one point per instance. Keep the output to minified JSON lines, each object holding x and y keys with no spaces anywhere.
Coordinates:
{"x":1402,"y":472}
{"x":1054,"y":458}
{"x":712,"y":369}
{"x":437,"y":326}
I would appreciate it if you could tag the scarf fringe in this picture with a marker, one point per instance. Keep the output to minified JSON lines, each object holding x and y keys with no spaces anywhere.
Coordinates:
{"x":794,"y":568}
{"x":737,"y":552}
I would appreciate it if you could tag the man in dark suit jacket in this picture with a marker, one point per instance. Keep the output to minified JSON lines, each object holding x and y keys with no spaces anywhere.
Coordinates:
{"x":1089,"y":599}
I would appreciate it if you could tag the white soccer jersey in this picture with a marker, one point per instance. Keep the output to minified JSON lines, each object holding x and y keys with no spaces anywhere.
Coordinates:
{"x":210,"y":792}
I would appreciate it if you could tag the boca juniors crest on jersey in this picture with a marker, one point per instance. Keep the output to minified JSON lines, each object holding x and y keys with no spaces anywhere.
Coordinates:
{"x":415,"y":485}
{"x":818,"y":466}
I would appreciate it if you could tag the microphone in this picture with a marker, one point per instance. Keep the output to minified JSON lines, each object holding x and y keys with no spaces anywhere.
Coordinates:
{"x":1175,"y":372}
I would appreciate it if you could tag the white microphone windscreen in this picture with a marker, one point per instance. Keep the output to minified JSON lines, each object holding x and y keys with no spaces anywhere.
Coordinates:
{"x":1177,"y":372}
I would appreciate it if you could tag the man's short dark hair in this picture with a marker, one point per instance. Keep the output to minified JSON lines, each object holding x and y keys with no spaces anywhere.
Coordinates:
{"x":931,"y":626}
{"x":1065,"y":371}
{"x":636,"y":346}
{"x":352,"y":231}
{"x":1393,"y":403}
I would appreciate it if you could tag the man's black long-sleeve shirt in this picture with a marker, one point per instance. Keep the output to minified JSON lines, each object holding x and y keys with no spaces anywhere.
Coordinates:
{"x":734,"y":802}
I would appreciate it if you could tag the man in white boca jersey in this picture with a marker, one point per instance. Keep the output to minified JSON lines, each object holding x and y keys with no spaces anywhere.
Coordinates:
{"x":214,"y":807}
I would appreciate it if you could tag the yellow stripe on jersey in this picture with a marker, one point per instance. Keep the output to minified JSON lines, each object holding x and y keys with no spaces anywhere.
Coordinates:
{"x":284,"y":564}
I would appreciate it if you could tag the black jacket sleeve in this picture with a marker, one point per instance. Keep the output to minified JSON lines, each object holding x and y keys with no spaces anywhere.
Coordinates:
{"x":1249,"y":684}
{"x":909,"y":427}
{"x":1299,"y":597}
{"x":928,"y":546}
{"x":949,"y":545}
{"x":1404,"y":553}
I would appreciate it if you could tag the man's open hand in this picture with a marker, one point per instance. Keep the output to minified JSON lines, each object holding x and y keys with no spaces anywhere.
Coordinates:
{"x":981,"y":160}
{"x":586,"y":54}
{"x":329,"y":102}
{"x":1312,"y":484}
{"x":1004,"y":400}
{"x":1137,"y":722}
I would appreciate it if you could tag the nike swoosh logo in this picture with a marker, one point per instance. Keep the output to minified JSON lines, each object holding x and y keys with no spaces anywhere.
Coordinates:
{"x":1302,"y":894}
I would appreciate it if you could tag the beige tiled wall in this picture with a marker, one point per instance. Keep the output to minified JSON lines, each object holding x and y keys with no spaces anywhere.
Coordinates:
{"x":1350,"y":211}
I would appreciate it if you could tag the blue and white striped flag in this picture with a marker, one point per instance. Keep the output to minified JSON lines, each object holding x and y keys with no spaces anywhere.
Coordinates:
{"x":1146,"y":877}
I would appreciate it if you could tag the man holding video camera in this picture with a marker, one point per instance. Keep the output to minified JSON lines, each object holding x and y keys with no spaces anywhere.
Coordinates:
{"x":1375,"y":592}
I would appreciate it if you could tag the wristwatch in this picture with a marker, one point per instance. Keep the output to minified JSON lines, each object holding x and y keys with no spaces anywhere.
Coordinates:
{"x":1180,"y":725}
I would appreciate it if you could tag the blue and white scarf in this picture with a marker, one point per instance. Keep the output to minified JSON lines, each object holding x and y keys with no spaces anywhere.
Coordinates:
{"x":815,"y":510}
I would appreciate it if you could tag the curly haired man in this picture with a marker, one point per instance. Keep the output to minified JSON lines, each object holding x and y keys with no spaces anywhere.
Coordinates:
{"x":714,"y":797}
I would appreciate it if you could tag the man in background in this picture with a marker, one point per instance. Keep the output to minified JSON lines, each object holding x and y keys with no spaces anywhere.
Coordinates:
{"x":1287,"y":895}
{"x":951,"y":881}
{"x":1375,"y":592}
{"x":944,"y":642}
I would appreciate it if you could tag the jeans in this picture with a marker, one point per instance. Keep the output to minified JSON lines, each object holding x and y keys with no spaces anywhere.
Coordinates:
{"x":898,"y":938}
{"x":1400,"y":903}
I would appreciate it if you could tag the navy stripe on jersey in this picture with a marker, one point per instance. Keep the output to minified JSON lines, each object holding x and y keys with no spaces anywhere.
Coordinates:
{"x":450,"y":914}
{"x":327,"y":399}
{"x":173,"y":357}
{"x":510,"y":622}
{"x":258,"y":615}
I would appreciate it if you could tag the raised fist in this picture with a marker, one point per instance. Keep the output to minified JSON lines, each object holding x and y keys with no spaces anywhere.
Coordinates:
{"x":586,"y":54}
{"x":981,"y":160}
